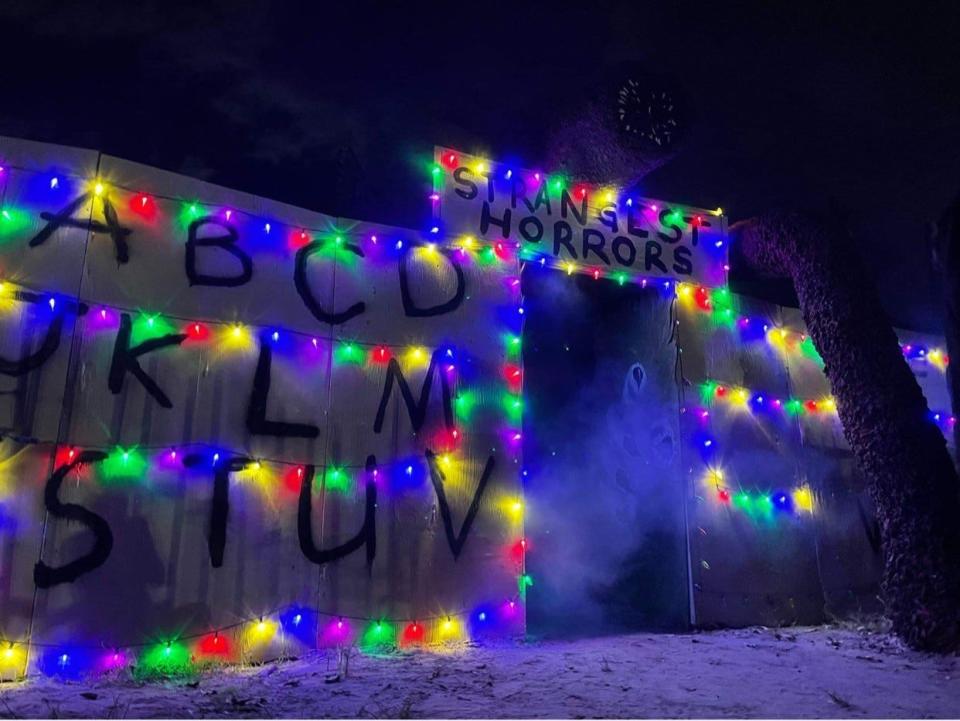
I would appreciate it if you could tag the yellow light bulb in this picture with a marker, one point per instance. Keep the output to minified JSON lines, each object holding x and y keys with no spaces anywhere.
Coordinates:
{"x":803,"y":499}
{"x":98,"y":189}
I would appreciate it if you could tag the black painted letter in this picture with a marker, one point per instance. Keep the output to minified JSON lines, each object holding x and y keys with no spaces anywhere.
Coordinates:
{"x":457,"y":540}
{"x":416,"y":408}
{"x":220,"y":502}
{"x":51,"y":341}
{"x":257,"y":422}
{"x":45,"y":576}
{"x":367,"y":536}
{"x":125,"y":360}
{"x":226,"y":242}
{"x":64,"y":219}
{"x":412,"y":309}
{"x":306,"y":293}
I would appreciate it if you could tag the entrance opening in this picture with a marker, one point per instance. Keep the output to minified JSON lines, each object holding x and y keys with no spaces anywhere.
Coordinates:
{"x":602,"y":454}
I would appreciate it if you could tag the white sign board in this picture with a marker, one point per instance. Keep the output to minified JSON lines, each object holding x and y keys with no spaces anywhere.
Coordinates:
{"x":552,"y":220}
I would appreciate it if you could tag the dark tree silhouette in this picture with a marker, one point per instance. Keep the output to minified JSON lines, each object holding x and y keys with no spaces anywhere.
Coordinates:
{"x":631,"y":125}
{"x":885,"y":418}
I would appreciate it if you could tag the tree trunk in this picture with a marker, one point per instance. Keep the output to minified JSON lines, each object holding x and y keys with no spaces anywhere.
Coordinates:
{"x":885,"y":419}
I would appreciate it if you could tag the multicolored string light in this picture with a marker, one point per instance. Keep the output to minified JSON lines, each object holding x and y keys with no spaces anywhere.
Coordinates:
{"x":919,"y":353}
{"x":756,"y":504}
{"x":275,"y":633}
{"x":718,"y":304}
{"x":132,"y":462}
{"x":597,"y":197}
{"x":147,"y":208}
{"x":712,"y":391}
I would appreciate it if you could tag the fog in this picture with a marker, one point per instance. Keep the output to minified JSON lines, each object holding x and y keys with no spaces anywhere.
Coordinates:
{"x":604,"y":487}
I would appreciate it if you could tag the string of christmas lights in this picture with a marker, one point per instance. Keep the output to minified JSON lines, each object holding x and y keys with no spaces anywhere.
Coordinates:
{"x":175,"y":656}
{"x":796,"y":500}
{"x":712,"y":391}
{"x":292,"y":628}
{"x":755,"y":504}
{"x":718,"y":304}
{"x":935,"y":357}
{"x":145,"y":206}
{"x":65,"y":660}
{"x":607,"y":195}
{"x":237,"y":335}
{"x":138,"y":461}
{"x":547,"y":260}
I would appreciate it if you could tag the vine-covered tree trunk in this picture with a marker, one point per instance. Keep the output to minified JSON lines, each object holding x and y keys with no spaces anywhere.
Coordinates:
{"x":885,"y":419}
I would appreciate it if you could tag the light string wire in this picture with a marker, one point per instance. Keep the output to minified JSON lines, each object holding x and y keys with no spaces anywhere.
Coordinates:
{"x":206,"y":445}
{"x":735,"y":394}
{"x":264,"y":331}
{"x":461,"y":613}
{"x":234,"y":324}
{"x":556,"y":182}
{"x":800,"y":496}
{"x":449,"y":241}
{"x":240,"y":211}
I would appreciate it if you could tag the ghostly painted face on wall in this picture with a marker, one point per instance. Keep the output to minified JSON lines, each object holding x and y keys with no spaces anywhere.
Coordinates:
{"x":647,"y":435}
{"x":641,"y":442}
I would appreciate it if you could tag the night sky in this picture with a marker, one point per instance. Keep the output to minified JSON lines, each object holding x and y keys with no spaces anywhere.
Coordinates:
{"x":332,"y":106}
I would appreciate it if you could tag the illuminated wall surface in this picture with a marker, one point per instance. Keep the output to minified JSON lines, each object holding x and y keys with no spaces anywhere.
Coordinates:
{"x":781,"y":527}
{"x":235,"y":429}
{"x":257,"y":448}
{"x":695,"y":436}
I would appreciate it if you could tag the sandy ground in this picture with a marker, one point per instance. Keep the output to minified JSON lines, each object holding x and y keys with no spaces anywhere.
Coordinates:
{"x":800,"y":672}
